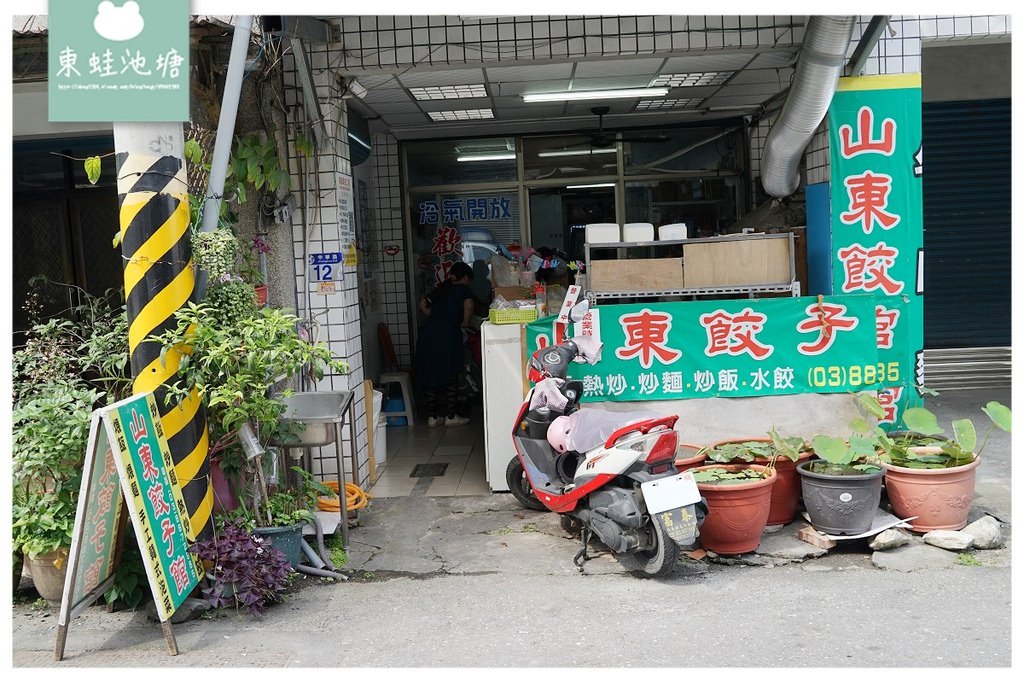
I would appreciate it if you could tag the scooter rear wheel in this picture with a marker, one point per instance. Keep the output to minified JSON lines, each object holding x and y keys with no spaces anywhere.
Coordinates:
{"x":519,"y":485}
{"x":654,"y":562}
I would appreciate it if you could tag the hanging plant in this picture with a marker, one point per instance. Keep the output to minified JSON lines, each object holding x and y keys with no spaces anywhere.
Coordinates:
{"x":215,"y":252}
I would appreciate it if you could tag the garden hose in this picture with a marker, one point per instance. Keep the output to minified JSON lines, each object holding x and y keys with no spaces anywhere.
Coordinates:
{"x":355,"y":498}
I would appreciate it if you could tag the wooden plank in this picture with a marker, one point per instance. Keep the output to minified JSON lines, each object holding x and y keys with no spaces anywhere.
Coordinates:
{"x":635,"y":275}
{"x":739,"y":261}
{"x":809,"y":534}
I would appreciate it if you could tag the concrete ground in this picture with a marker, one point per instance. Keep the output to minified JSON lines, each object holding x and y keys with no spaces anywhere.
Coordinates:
{"x":477,"y":581}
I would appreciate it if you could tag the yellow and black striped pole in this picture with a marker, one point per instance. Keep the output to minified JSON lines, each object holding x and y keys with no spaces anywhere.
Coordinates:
{"x":158,"y":280}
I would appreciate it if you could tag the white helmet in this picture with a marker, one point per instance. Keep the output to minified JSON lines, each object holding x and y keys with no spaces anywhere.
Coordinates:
{"x":558,"y":433}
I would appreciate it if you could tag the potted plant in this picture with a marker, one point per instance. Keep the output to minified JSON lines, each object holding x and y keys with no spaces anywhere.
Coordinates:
{"x":767,"y":451}
{"x":244,"y":569}
{"x":67,"y":365}
{"x":842,"y":486}
{"x":738,"y":499}
{"x":688,"y":456}
{"x":238,"y":352}
{"x":930,"y":476}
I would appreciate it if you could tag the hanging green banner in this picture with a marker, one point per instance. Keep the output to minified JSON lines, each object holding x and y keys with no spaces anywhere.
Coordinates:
{"x":733,"y":348}
{"x":877,"y":222}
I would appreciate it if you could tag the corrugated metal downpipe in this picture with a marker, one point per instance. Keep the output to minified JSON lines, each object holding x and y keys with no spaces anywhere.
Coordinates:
{"x":818,"y":68}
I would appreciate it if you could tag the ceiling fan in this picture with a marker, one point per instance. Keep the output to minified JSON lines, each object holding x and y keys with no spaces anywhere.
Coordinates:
{"x":602,"y":138}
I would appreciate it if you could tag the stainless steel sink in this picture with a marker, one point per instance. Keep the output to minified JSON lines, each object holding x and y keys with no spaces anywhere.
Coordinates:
{"x":319,"y":412}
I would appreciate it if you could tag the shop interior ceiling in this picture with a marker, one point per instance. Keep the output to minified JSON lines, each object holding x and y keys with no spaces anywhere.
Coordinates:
{"x":747,"y":74}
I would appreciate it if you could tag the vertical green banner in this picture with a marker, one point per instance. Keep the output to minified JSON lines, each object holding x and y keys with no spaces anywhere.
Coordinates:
{"x":154,"y":500}
{"x":877,"y":218}
{"x":118,"y":61}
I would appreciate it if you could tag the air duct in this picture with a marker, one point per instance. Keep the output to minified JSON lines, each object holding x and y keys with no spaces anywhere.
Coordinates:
{"x":820,"y":64}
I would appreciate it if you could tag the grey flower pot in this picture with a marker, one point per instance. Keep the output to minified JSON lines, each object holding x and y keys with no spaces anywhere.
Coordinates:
{"x":840,"y":504}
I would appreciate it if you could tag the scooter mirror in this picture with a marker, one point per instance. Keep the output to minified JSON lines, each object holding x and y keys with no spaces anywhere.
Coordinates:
{"x":579,"y":311}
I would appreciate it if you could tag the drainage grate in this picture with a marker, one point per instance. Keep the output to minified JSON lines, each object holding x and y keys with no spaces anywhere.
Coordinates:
{"x":433,"y":469}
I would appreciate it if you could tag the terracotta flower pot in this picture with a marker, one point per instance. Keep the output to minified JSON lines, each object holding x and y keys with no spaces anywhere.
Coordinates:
{"x":786,"y":492}
{"x":261,"y":295}
{"x":48,"y":572}
{"x":940,"y":499}
{"x":688,"y":456}
{"x":737,"y":513}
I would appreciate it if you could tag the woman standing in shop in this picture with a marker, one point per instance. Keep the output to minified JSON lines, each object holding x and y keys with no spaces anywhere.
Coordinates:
{"x":439,"y":353}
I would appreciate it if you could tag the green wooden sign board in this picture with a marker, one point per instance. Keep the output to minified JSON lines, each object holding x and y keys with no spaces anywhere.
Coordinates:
{"x":128,"y":469}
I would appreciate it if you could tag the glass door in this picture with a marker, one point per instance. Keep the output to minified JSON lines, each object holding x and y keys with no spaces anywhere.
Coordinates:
{"x":558,"y":215}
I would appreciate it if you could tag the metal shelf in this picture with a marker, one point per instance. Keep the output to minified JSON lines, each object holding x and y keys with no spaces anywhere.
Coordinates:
{"x":792,"y":288}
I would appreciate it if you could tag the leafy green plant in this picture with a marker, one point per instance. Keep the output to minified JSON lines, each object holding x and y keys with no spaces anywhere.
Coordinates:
{"x":131,"y":586}
{"x":51,"y":430}
{"x":215,"y":251}
{"x":720,"y":475}
{"x":254,"y":162}
{"x":857,"y":453}
{"x":237,"y":353}
{"x":925,"y":446}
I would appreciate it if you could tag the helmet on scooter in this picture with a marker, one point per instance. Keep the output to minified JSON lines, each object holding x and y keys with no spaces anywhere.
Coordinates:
{"x":558,"y":433}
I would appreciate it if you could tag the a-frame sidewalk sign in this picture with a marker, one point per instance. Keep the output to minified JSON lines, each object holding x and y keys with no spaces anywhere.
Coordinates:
{"x":127,"y":445}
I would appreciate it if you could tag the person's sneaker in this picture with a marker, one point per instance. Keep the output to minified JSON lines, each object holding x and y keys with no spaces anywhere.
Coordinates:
{"x":456,"y":421}
{"x":435,"y":421}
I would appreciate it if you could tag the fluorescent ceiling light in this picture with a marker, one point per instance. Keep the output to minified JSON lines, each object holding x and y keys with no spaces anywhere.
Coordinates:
{"x":594,"y":94}
{"x":448,"y":92}
{"x":577,"y":152}
{"x":583,"y":187}
{"x":359,"y":140}
{"x":461,"y":115}
{"x":487,"y":157}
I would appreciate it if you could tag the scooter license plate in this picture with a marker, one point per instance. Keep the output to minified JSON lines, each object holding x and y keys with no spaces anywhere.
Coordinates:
{"x":669,"y":493}
{"x":679,"y":523}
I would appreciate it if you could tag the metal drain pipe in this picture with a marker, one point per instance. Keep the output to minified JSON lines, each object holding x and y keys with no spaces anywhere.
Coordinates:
{"x":820,"y":64}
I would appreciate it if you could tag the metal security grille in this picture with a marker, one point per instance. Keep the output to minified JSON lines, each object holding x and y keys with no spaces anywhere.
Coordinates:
{"x":967,"y":244}
{"x":967,"y":224}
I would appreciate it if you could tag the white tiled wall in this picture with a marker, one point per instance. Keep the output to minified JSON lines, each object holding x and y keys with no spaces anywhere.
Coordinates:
{"x":337,"y":314}
{"x":392,"y":269}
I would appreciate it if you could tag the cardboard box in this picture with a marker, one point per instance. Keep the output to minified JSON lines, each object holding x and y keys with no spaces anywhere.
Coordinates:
{"x":636,"y":275}
{"x":513,"y":293}
{"x":727,"y":262}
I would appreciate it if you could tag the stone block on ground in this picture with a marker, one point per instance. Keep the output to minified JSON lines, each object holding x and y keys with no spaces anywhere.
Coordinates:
{"x":956,"y":541}
{"x":913,"y":557}
{"x":987,"y":533}
{"x":890,"y":539}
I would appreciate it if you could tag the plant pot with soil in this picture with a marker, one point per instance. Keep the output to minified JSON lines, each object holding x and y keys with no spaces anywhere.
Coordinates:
{"x":688,"y":456}
{"x":930,"y":477}
{"x":766,"y":451}
{"x":739,"y":500}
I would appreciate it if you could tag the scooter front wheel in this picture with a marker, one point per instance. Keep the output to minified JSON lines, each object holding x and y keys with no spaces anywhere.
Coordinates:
{"x":519,"y":485}
{"x":655,"y":561}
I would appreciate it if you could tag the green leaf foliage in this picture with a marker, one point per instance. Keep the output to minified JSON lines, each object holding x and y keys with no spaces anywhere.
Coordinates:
{"x":93,"y":167}
{"x":921,"y":421}
{"x":999,"y":414}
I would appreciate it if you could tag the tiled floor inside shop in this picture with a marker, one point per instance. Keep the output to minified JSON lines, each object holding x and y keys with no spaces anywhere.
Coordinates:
{"x":460,"y":448}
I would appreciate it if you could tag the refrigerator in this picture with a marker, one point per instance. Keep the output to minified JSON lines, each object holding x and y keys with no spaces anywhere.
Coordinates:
{"x":503,"y":391}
